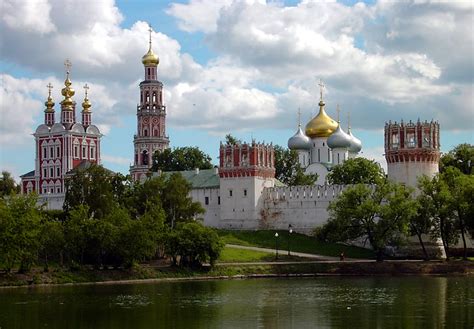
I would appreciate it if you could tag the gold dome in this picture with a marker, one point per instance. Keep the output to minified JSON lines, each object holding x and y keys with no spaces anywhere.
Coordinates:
{"x":150,"y":58}
{"x":86,"y":104}
{"x":67,"y":92}
{"x":322,"y":125}
{"x":49,"y":103}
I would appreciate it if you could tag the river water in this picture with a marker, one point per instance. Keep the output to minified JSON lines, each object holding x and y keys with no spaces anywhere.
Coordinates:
{"x":323,"y":302}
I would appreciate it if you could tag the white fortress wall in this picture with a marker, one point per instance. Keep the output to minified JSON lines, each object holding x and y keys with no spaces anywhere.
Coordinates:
{"x":209,"y":198}
{"x":304,"y":207}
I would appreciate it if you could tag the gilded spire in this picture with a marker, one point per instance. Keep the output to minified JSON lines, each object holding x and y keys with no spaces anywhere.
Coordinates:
{"x":49,"y":102}
{"x":86,"y":105}
{"x":150,"y":59}
{"x":67,"y":91}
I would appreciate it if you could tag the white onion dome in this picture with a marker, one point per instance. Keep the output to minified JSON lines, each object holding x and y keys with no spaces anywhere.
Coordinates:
{"x":299,"y":141}
{"x":356,"y":144}
{"x":339,"y":139}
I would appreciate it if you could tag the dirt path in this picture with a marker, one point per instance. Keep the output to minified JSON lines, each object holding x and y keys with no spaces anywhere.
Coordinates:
{"x":285,"y":252}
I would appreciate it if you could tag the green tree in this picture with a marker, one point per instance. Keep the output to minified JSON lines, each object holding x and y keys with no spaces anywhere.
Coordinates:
{"x":75,"y":232}
{"x":356,"y":171}
{"x":381,"y":213}
{"x":231,"y":140}
{"x":437,"y":200}
{"x":181,"y":158}
{"x":20,"y":220}
{"x":52,"y":242}
{"x":194,"y":244}
{"x":176,"y":201}
{"x":288,"y":170}
{"x":7,"y":184}
{"x":421,"y":224}
{"x":92,"y":187}
{"x":461,"y":187}
{"x":461,"y":157}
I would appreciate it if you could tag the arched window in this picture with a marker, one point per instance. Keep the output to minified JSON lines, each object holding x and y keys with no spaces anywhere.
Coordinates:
{"x":145,"y":158}
{"x":145,"y":132}
{"x":155,"y":132}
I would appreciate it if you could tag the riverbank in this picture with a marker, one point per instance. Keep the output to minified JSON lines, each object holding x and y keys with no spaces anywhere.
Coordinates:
{"x":146,"y":273}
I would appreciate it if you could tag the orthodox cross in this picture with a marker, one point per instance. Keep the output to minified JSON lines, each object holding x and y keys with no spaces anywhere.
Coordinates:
{"x":321,"y":87}
{"x":150,"y":30}
{"x":68,"y":65}
{"x":86,"y":88}
{"x":299,"y":117}
{"x":49,"y":86}
{"x":349,"y":120}
{"x":338,"y":110}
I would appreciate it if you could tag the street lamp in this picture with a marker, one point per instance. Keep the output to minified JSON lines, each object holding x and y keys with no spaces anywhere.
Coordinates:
{"x":276,"y":245}
{"x":290,"y":230}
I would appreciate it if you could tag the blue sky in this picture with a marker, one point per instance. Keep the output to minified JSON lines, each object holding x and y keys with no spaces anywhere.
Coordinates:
{"x":239,"y":67}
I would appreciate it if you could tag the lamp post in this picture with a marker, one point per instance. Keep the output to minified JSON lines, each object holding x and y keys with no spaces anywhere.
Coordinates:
{"x":290,"y":230}
{"x":276,"y":245}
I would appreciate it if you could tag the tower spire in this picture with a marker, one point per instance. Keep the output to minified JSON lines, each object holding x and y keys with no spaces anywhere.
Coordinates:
{"x":299,"y":117}
{"x":149,"y":42}
{"x":338,"y":110}
{"x":49,"y":111}
{"x":86,"y":108}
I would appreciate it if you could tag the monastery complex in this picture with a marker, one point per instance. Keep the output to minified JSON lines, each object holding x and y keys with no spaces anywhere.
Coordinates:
{"x":242,"y":192}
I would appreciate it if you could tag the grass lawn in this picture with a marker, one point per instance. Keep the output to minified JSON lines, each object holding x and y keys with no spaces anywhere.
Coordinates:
{"x":241,"y":255}
{"x":298,"y":243}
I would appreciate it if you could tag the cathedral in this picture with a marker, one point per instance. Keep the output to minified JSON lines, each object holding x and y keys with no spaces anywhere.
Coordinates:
{"x":62,"y":146}
{"x":324,"y":143}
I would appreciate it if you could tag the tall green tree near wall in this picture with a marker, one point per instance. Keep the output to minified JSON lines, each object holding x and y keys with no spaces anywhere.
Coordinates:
{"x":379,"y":212}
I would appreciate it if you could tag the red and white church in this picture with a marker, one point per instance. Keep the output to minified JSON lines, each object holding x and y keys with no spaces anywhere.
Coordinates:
{"x":62,"y":146}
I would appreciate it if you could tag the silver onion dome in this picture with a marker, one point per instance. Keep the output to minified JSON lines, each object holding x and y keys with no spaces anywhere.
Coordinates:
{"x":356,"y":144}
{"x":299,"y":141}
{"x":339,"y":139}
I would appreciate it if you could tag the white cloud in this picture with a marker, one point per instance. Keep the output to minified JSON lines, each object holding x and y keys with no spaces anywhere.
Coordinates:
{"x":27,"y":15}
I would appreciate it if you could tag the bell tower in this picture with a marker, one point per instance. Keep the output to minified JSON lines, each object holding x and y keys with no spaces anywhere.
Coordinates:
{"x":151,"y":118}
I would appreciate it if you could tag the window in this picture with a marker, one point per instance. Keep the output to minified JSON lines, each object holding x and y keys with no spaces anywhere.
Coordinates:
{"x":45,"y":155}
{"x":58,"y":172}
{"x":218,"y":200}
{"x":58,"y":190}
{"x":92,"y":152}
{"x":245,"y":192}
{"x":51,"y":172}
{"x":319,"y":156}
{"x":58,"y":151}
{"x":206,"y":200}
{"x":76,"y":151}
{"x":145,"y":133}
{"x":45,"y":173}
{"x":44,"y":190}
{"x":83,"y":151}
{"x":51,"y":152}
{"x":230,"y":193}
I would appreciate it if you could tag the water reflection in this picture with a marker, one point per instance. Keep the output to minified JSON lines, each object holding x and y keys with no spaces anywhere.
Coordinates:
{"x":382,"y":302}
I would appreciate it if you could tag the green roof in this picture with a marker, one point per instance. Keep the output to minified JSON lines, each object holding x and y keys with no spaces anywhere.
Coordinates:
{"x":206,"y":178}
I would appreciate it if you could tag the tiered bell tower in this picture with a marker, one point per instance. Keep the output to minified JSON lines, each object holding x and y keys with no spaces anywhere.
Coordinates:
{"x":151,"y":118}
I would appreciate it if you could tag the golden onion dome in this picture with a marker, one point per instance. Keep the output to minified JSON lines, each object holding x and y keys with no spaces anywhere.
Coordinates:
{"x":49,"y":102}
{"x":150,"y":58}
{"x":67,"y":92}
{"x":86,"y":104}
{"x":322,"y":125}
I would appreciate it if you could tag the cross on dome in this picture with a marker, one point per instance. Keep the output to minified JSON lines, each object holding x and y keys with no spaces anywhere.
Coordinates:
{"x":299,"y":117}
{"x":67,"y":65}
{"x":86,"y":88}
{"x":150,"y":30}
{"x":49,"y":86}
{"x":321,"y":87}
{"x":338,"y":110}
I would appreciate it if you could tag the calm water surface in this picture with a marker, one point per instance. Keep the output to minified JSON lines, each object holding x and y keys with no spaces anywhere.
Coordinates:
{"x":383,"y":302}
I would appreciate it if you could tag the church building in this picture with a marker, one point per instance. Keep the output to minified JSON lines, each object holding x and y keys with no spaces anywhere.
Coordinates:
{"x":61,"y":146}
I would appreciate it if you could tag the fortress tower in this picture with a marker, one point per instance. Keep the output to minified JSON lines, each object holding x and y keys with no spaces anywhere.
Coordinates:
{"x":151,"y":115}
{"x":245,"y":170}
{"x":411,"y":150}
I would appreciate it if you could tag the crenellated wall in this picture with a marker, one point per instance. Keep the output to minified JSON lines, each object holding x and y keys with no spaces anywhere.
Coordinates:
{"x":304,"y":207}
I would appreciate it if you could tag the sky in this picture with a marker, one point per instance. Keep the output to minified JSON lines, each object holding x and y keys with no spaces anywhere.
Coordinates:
{"x":239,"y":67}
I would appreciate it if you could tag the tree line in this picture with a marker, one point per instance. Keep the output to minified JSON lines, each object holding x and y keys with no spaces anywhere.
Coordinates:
{"x":107,"y":221}
{"x":387,"y":214}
